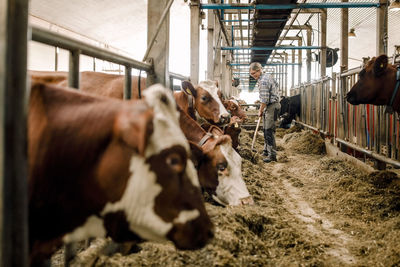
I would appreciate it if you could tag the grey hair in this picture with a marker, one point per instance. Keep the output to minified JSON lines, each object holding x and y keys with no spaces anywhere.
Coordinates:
{"x":255,"y":66}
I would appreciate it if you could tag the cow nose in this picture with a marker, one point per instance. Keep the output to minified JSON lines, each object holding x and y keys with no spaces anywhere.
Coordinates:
{"x":225,"y":118}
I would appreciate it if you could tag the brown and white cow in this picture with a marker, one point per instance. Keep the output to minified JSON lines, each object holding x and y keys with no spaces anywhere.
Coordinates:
{"x":376,"y":84}
{"x":219,"y":166}
{"x":234,"y":108}
{"x":238,"y":116}
{"x":202,"y":101}
{"x":105,"y":167}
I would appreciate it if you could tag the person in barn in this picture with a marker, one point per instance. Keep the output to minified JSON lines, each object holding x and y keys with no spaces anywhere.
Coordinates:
{"x":269,"y":108}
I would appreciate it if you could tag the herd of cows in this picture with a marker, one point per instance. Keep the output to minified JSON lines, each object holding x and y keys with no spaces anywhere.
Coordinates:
{"x":128,"y":169}
{"x":135,"y":169}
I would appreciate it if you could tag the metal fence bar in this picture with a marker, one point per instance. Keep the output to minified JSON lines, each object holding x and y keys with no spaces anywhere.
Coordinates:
{"x":55,"y":39}
{"x":13,"y":131}
{"x":179,"y":76}
{"x":128,"y":83}
{"x":73,"y":73}
{"x":370,"y":153}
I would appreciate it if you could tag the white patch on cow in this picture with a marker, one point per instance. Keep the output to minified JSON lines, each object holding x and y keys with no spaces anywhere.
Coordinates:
{"x":167,"y":131}
{"x":138,"y":202}
{"x":234,"y":102}
{"x":212,"y":89}
{"x":231,"y":188}
{"x":93,"y":227}
{"x":142,"y":188}
{"x":186,"y":216}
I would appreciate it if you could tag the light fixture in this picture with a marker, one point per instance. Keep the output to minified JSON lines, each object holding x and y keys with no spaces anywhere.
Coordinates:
{"x":352,"y":34}
{"x":395,"y":5}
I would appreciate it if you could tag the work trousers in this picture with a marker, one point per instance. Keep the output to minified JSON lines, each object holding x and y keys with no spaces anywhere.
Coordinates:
{"x":271,"y":113}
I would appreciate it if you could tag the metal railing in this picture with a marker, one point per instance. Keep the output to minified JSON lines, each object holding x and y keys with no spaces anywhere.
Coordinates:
{"x":77,"y":48}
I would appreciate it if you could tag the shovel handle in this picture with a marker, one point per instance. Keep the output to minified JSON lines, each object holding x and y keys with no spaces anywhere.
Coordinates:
{"x":255,"y":132}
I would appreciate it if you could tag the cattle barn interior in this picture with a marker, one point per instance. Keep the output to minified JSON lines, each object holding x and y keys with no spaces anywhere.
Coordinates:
{"x":315,"y":50}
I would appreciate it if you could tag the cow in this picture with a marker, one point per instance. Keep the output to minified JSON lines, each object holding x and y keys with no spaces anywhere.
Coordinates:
{"x":238,"y":116}
{"x":203,"y":100}
{"x":234,"y":108}
{"x":290,"y":108}
{"x":104,"y":84}
{"x":106,"y":167}
{"x":219,"y":166}
{"x":376,"y":84}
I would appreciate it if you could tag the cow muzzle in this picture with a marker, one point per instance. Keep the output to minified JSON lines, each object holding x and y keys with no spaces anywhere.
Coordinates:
{"x":351,"y":98}
{"x":224,"y":118}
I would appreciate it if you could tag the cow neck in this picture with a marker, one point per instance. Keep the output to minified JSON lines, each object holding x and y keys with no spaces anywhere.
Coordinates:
{"x":395,"y":91}
{"x":192,"y":129}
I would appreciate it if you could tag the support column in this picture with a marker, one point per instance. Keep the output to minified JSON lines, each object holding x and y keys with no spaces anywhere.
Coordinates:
{"x":159,"y":52}
{"x":222,"y":84}
{"x":300,"y":53}
{"x":13,"y":139}
{"x":344,"y":44}
{"x":210,"y":43}
{"x":217,"y":55}
{"x":293,"y":61}
{"x":286,"y":75}
{"x":194,"y":40}
{"x":381,"y":28}
{"x":323,"y":42}
{"x":309,"y":40}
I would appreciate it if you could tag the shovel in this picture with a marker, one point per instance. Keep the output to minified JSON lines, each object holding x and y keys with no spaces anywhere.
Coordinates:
{"x":255,"y":134}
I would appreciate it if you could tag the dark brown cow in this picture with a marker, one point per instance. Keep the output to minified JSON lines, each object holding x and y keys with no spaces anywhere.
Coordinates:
{"x":376,"y":84}
{"x":219,"y":166}
{"x":202,"y":101}
{"x":110,"y":85}
{"x":105,"y":167}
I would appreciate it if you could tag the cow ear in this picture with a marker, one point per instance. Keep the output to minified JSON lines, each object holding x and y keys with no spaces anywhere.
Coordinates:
{"x":380,"y":65}
{"x":197,"y":155}
{"x":216,"y":83}
{"x":188,"y":88}
{"x":135,"y":129}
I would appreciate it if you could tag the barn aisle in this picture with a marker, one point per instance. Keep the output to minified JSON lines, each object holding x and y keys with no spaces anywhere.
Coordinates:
{"x":311,"y":210}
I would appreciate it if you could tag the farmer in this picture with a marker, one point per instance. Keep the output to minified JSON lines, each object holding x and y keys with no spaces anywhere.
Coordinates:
{"x":269,"y":108}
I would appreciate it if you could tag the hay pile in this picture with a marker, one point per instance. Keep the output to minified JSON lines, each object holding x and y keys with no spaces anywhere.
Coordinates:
{"x":305,"y":142}
{"x":362,"y":210}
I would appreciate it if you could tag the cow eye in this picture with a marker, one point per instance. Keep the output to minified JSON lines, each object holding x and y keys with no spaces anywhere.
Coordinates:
{"x":204,"y":98}
{"x":221,"y":166}
{"x":175,"y":162}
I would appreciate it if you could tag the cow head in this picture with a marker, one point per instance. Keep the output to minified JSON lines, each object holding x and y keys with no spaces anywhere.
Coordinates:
{"x":235,"y":109}
{"x":227,"y":175}
{"x":376,"y":82}
{"x":207,"y":101}
{"x":162,"y":199}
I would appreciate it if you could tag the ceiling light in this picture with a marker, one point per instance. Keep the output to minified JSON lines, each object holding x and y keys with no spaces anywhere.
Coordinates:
{"x":352,"y":34}
{"x":395,"y":5}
